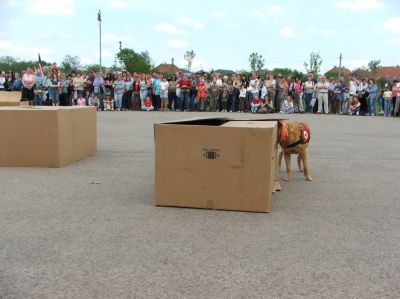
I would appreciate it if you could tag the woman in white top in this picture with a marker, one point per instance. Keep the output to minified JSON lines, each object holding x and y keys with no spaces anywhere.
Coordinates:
{"x":309,"y":87}
{"x":270,"y":83}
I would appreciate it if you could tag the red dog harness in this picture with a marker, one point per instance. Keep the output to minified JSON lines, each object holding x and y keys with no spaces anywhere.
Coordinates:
{"x":305,"y":135}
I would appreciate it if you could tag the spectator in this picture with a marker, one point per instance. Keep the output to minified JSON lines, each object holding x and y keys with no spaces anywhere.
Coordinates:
{"x":283,"y":90}
{"x":172,"y":96}
{"x":184,"y":85}
{"x":17,"y":83}
{"x":323,"y":88}
{"x":54,"y":90}
{"x":164,"y":94}
{"x":395,"y":93}
{"x":287,"y":105}
{"x":214,"y":95}
{"x":78,"y":82}
{"x":270,"y":84}
{"x":136,"y":94}
{"x":372,"y":89}
{"x":119,"y":89}
{"x":98,"y":86}
{"x":28,"y":82}
{"x":255,"y":104}
{"x":64,"y":83}
{"x":156,"y":92}
{"x":201,"y":94}
{"x":354,"y":107}
{"x":147,"y":104}
{"x":388,"y":97}
{"x":308,"y":93}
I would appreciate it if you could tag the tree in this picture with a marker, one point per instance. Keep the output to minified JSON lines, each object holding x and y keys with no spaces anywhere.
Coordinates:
{"x":9,"y":63}
{"x":189,"y":56}
{"x":92,"y":67}
{"x":373,"y":66}
{"x":315,"y":63}
{"x":257,"y":62}
{"x":70,"y":64}
{"x":135,"y":62}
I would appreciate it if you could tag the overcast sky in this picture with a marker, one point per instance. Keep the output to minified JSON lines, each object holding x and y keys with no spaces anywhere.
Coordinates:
{"x":222,"y":33}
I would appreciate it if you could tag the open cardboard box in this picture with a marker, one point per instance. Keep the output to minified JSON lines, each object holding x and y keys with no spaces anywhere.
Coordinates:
{"x":216,"y":163}
{"x":46,"y":136}
{"x":10,"y":98}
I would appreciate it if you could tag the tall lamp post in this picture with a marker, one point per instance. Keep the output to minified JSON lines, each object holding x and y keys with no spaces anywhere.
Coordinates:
{"x":99,"y":19}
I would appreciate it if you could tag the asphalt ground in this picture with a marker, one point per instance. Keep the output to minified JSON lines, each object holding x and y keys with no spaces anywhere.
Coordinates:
{"x":90,"y":230}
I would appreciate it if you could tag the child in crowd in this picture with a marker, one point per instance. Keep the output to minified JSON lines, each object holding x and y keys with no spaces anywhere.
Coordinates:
{"x":255,"y":104}
{"x":95,"y":101}
{"x":201,"y":94}
{"x":109,"y":103}
{"x":287,"y":105}
{"x":81,"y":101}
{"x":148,"y":105}
{"x":242,"y":98}
{"x":266,"y":106}
{"x":89,"y":99}
{"x":38,"y":91}
{"x":354,"y":107}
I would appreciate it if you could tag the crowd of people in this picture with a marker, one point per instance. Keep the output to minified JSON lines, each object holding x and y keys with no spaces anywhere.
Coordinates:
{"x":121,"y":91}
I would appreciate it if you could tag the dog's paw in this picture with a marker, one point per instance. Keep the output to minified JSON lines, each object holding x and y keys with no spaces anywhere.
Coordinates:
{"x":309,"y":178}
{"x":287,"y":178}
{"x":301,"y":170}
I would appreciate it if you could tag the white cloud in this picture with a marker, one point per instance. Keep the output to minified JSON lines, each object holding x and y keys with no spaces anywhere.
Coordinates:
{"x":218,"y":14}
{"x":287,"y":32}
{"x":12,"y":3}
{"x":86,"y":60}
{"x":104,"y":54}
{"x":395,"y":42}
{"x":111,"y":38}
{"x":119,"y":4}
{"x":192,"y":23}
{"x":168,"y":28}
{"x":269,"y":11}
{"x":322,"y":31}
{"x":177,"y":43}
{"x":52,"y":7}
{"x":359,"y":5}
{"x":393,"y":24}
{"x":231,"y":26}
{"x":25,"y":50}
{"x":357,"y":63}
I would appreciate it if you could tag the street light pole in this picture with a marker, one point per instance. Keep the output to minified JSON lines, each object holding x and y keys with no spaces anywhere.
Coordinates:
{"x":99,"y":19}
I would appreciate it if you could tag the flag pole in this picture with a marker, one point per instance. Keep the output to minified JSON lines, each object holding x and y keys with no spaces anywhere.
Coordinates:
{"x":99,"y":19}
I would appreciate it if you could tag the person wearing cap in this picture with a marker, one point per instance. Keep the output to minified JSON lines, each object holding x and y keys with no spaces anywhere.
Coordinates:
{"x":323,"y":88}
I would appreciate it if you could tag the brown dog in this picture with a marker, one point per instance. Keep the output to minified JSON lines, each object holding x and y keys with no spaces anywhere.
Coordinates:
{"x":293,"y":139}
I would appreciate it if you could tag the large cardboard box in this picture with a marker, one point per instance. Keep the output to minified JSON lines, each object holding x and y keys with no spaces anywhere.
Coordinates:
{"x":10,"y":98}
{"x":46,"y":136}
{"x":216,"y":163}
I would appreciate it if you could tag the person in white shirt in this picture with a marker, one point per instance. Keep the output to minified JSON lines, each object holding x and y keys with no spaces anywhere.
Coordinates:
{"x":264,"y":90}
{"x":270,"y":83}
{"x":353,"y":86}
{"x":323,"y":88}
{"x":253,"y":86}
{"x":2,"y":80}
{"x":308,"y":93}
{"x":164,"y":93}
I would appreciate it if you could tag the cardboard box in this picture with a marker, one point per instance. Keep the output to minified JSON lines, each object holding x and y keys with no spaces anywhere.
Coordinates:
{"x":10,"y":98}
{"x":216,"y":163}
{"x":46,"y":136}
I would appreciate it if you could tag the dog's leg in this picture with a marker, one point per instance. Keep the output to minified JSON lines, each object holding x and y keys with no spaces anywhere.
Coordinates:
{"x":307,"y":174}
{"x":299,"y":160}
{"x":280,"y":160}
{"x":288,"y":176}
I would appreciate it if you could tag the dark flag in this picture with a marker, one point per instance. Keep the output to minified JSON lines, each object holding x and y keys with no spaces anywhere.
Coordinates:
{"x":99,"y":16}
{"x":40,"y":64}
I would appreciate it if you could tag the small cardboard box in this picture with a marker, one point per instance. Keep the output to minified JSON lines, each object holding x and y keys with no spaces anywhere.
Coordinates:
{"x":46,"y":136}
{"x":216,"y":163}
{"x":10,"y":98}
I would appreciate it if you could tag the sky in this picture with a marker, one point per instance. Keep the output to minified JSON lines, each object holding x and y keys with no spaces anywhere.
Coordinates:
{"x":222,"y":33}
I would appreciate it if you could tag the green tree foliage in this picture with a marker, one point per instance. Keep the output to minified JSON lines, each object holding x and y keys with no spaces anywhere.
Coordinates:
{"x":70,"y":64}
{"x":315,"y":63}
{"x":92,"y":67}
{"x":286,"y":72}
{"x":256,"y":61}
{"x":189,"y":56}
{"x":374,"y":65}
{"x":135,"y":62}
{"x":8,"y":63}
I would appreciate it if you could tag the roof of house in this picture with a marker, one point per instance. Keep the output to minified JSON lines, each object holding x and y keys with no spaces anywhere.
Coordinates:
{"x":389,"y":72}
{"x":167,"y":67}
{"x":344,"y":71}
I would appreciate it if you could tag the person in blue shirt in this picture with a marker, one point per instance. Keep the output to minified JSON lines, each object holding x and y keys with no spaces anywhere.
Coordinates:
{"x":17,"y":84}
{"x":156,"y":92}
{"x":372,"y":89}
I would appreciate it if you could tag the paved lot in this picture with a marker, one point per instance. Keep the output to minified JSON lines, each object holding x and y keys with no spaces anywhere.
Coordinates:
{"x":336,"y":237}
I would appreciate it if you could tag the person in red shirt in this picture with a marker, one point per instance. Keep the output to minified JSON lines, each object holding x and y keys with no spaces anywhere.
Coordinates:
{"x":185,"y":85}
{"x":201,"y":93}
